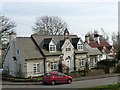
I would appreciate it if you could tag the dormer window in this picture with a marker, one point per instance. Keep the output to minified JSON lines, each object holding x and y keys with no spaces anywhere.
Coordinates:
{"x":80,"y":47}
{"x":79,"y":44}
{"x":52,"y":46}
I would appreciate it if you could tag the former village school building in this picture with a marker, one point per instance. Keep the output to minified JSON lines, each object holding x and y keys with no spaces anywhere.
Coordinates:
{"x":37,"y":54}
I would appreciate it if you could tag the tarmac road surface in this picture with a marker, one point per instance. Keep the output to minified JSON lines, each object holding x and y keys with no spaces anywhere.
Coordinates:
{"x":75,"y":84}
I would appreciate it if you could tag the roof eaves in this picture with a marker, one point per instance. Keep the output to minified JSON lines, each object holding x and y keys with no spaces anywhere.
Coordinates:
{"x":33,"y":58}
{"x":6,"y":52}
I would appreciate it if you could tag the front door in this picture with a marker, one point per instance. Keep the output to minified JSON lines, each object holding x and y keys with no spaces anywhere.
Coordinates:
{"x":68,"y":59}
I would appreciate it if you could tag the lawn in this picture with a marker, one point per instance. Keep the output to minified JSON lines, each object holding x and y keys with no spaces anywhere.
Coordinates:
{"x":107,"y":87}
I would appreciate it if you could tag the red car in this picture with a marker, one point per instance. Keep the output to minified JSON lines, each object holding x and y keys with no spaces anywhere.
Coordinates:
{"x":55,"y":78}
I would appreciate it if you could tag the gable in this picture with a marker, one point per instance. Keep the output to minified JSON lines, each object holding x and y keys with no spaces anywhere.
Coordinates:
{"x":52,"y":42}
{"x":52,"y":46}
{"x":67,"y":43}
{"x":79,"y":42}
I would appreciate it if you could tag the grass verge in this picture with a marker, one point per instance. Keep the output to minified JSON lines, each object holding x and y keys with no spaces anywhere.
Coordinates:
{"x":105,"y":87}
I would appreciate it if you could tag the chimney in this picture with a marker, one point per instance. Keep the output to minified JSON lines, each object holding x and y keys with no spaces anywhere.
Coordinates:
{"x":87,"y":39}
{"x":66,"y":34}
{"x":97,"y":38}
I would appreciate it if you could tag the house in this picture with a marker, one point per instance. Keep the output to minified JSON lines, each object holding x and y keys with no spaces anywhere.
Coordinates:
{"x":37,"y":54}
{"x":68,"y":47}
{"x":94,"y":56}
{"x":22,"y":57}
{"x":107,"y":50}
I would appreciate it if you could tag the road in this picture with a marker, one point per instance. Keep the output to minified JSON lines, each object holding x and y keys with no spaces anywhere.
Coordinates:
{"x":75,"y":84}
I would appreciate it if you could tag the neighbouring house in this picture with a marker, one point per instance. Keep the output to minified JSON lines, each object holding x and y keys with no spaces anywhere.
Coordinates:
{"x":80,"y":53}
{"x":22,"y":57}
{"x":94,"y":56}
{"x":107,"y":50}
{"x":37,"y":54}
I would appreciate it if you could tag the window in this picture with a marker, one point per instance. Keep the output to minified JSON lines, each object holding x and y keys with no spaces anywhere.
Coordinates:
{"x":17,"y":51}
{"x":52,"y":48}
{"x":47,"y":74}
{"x":95,"y":59}
{"x":14,"y":58}
{"x":56,"y":74}
{"x":61,"y":74}
{"x":54,"y":65}
{"x":68,"y":63}
{"x":80,"y":47}
{"x":36,"y":68}
{"x":91,"y":62}
{"x":68,"y":49}
{"x":82,"y":62}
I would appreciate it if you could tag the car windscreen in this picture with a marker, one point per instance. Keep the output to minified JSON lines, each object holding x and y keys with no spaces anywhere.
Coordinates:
{"x":47,"y":74}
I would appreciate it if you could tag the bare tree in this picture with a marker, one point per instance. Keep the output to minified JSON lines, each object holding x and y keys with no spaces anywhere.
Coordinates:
{"x":103,"y":36}
{"x":49,"y":25}
{"x":6,"y":26}
{"x":90,"y":34}
{"x":116,"y":45}
{"x":114,"y":38}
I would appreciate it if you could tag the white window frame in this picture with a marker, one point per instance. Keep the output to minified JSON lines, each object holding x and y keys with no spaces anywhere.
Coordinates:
{"x":68,"y":49}
{"x":91,"y":62}
{"x":80,"y":47}
{"x":36,"y":68}
{"x":82,"y":62}
{"x":52,"y":48}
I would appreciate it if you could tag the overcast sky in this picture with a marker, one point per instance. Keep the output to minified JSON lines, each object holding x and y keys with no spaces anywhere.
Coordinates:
{"x":80,"y":15}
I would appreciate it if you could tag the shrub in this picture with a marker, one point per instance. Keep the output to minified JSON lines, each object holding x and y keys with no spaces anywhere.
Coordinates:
{"x":106,"y":65}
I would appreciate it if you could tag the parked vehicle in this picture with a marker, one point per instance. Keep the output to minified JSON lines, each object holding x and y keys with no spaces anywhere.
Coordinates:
{"x":55,"y":78}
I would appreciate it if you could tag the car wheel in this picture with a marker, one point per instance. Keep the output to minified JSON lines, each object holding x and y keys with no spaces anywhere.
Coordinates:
{"x":53,"y":82}
{"x":69,"y":81}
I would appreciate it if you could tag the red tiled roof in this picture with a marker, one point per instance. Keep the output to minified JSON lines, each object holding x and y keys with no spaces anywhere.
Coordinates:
{"x":101,"y":46}
{"x":95,"y":44}
{"x":107,"y":50}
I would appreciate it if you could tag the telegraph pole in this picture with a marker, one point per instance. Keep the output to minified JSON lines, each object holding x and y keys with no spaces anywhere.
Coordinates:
{"x":118,"y":51}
